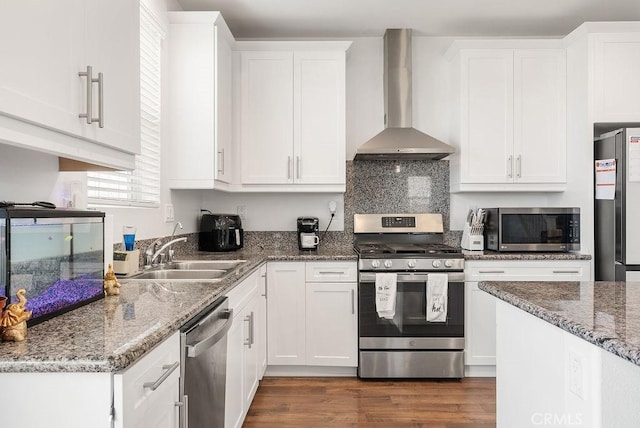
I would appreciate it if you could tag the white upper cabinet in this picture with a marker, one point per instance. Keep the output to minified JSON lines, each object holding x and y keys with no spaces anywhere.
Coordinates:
{"x":44,"y":47}
{"x":37,"y":80}
{"x":292,"y":116}
{"x":539,"y":116}
{"x":200,"y":101}
{"x":112,"y":47}
{"x":616,"y":61}
{"x":267,"y":117}
{"x":510,"y":126}
{"x":486,"y":128}
{"x":319,"y":117}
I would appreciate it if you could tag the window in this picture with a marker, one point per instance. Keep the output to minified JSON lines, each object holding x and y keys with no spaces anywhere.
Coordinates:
{"x":140,"y":187}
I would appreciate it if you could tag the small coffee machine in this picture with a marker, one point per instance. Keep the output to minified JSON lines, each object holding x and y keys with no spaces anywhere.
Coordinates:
{"x":308,"y":237}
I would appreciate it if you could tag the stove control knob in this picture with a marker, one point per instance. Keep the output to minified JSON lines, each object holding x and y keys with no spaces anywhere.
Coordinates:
{"x":411,"y":264}
{"x":388,"y":263}
{"x":448,"y":263}
{"x":375,"y":264}
{"x":436,"y":263}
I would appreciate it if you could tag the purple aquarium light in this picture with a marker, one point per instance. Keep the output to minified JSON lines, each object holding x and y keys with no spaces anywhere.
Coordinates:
{"x":63,"y":295}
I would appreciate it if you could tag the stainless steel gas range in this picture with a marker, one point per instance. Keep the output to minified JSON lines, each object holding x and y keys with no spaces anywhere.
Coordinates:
{"x":410,"y":298}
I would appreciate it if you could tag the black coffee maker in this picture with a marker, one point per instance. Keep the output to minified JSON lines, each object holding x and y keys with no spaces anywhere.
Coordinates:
{"x":308,"y":237}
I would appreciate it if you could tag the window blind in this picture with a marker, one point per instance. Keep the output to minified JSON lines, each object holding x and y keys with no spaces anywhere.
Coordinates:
{"x":140,"y":187}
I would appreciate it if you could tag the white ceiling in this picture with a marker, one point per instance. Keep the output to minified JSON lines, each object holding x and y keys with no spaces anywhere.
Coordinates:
{"x":357,"y":18}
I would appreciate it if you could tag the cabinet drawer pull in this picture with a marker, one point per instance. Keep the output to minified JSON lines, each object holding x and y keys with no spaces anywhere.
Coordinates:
{"x":567,"y":271}
{"x":168,"y":369}
{"x":331,"y":273}
{"x":491,"y":271}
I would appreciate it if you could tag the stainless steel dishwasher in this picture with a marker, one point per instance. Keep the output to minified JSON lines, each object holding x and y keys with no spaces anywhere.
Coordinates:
{"x":203,"y":370}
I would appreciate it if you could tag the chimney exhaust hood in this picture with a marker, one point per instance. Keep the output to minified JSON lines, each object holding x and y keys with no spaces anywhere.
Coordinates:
{"x":399,"y":140}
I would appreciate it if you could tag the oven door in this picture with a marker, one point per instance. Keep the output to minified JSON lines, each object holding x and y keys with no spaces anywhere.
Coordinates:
{"x":409,"y":328}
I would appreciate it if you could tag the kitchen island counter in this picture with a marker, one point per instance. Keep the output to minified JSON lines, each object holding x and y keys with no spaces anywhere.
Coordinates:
{"x":606,"y":314}
{"x":110,"y":334}
{"x":567,"y":352}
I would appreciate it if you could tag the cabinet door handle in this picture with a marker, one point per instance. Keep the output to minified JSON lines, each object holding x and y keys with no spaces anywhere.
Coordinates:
{"x":168,"y":369}
{"x":510,"y":166}
{"x":567,"y":271}
{"x":288,"y":167}
{"x":100,"y":118}
{"x":298,"y":167}
{"x":252,"y":329}
{"x":519,"y":166}
{"x":221,"y":161}
{"x":89,"y":76}
{"x":353,"y":302}
{"x":265,"y":285}
{"x":184,"y":411}
{"x":491,"y":271}
{"x":250,"y":339}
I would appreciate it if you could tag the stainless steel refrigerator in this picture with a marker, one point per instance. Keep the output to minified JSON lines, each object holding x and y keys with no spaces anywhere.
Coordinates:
{"x":617,"y":205}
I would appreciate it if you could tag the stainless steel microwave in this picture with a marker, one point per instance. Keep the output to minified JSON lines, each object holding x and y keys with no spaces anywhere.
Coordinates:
{"x":532,"y":229}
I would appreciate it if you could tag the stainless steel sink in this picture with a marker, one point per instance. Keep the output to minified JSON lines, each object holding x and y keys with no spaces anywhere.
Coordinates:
{"x":197,"y":265}
{"x":175,"y":274}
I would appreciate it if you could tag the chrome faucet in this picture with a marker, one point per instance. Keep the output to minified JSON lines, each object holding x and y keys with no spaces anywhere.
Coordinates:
{"x":171,"y":251}
{"x":151,"y":254}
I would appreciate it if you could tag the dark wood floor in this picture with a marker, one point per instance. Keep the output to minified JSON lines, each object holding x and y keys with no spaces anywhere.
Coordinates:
{"x":341,"y":402}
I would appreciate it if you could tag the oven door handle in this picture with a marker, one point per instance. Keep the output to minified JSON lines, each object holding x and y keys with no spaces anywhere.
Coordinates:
{"x":412,"y":277}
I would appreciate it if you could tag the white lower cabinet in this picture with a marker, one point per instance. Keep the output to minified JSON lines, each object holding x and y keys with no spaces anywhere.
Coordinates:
{"x":332,"y":324}
{"x":245,"y":347}
{"x":480,"y":307}
{"x":285,"y":313}
{"x":312,"y":314}
{"x":58,"y":400}
{"x":146,"y":394}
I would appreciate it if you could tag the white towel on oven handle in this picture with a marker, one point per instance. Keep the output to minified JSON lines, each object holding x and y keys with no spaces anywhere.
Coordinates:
{"x":437,"y":292}
{"x":386,"y":287}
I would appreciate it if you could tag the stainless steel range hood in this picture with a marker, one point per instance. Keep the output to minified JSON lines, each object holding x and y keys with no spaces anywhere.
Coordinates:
{"x":399,"y":140}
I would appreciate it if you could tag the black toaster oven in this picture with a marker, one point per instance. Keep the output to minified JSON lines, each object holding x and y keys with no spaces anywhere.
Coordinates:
{"x":220,"y":232}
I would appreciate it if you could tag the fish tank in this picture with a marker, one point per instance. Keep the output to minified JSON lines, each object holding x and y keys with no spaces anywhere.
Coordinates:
{"x":56,"y":255}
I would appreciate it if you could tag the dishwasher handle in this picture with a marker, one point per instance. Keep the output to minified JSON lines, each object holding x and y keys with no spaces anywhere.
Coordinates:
{"x":197,"y":348}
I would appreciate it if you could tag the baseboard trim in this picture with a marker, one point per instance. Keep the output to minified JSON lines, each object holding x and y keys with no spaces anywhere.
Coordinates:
{"x":311,"y":371}
{"x":479,"y":371}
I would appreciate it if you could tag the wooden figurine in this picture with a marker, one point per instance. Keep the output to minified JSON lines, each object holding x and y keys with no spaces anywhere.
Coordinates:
{"x":111,"y":284}
{"x":13,"y":323}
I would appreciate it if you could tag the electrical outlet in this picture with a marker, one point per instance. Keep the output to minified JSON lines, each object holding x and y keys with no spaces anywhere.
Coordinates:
{"x":332,"y":207}
{"x":168,"y":213}
{"x":576,"y":374}
{"x":242,"y":211}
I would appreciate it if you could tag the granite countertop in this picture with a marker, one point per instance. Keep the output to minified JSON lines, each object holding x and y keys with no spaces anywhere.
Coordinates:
{"x":606,"y":314}
{"x":495,"y":255}
{"x":110,"y":334}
